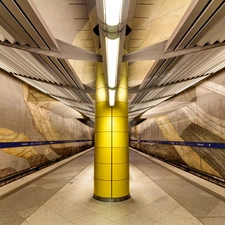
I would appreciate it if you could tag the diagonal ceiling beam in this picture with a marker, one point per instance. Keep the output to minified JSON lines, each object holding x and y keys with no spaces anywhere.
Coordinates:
{"x":146,"y":104}
{"x":88,"y":90}
{"x":67,"y":51}
{"x":135,"y":89}
{"x":156,"y":51}
{"x":72,"y":100}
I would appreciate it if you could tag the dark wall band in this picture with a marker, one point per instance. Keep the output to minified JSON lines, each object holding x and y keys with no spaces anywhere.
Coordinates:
{"x":33,"y":143}
{"x":183,"y":143}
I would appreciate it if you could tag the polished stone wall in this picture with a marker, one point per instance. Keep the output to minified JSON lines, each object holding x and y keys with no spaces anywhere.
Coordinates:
{"x":201,"y":119}
{"x":29,"y":115}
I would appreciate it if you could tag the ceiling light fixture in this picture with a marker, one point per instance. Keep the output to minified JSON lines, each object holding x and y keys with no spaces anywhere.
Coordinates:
{"x":112,"y":52}
{"x":112,"y":97}
{"x":112,"y":42}
{"x":112,"y":12}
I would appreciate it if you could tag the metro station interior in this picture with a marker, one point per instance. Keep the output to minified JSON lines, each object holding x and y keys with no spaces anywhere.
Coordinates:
{"x":112,"y":112}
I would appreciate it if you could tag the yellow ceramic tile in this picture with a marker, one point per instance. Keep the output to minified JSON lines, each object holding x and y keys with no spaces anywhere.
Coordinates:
{"x":103,"y":139}
{"x":102,"y":171}
{"x":120,"y":124}
{"x":120,"y":109}
{"x":102,"y":155}
{"x":124,"y":68}
{"x":120,"y":171}
{"x":102,"y":188}
{"x":102,"y":109}
{"x":122,"y":95}
{"x":123,"y":81}
{"x":120,"y":139}
{"x":120,"y":188}
{"x":100,"y":83}
{"x":101,"y":95}
{"x":99,"y":68}
{"x":120,"y":155}
{"x":103,"y":124}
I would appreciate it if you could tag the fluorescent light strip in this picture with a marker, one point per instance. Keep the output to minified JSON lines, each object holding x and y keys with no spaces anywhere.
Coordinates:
{"x":112,"y":97}
{"x":112,"y":12}
{"x":112,"y":52}
{"x":112,"y":19}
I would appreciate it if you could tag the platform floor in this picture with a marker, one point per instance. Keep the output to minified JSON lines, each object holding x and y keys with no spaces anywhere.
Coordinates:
{"x":159,"y":196}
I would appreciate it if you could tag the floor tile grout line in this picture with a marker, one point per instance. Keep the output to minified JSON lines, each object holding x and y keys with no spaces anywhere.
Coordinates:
{"x":163,"y":188}
{"x":162,"y":197}
{"x":61,"y":187}
{"x":184,"y":175}
{"x":14,"y":186}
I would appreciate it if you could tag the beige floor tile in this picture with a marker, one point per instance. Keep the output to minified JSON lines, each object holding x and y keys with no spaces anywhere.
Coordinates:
{"x":165,"y":203}
{"x":174,"y":201}
{"x":151,"y":196}
{"x":177,"y":220}
{"x":75,"y":196}
{"x":112,"y":212}
{"x":58,"y":203}
{"x":74,"y":212}
{"x":214,"y":221}
{"x":40,"y":212}
{"x":134,"y":219}
{"x":179,"y":216}
{"x":132,"y":204}
{"x":92,"y":219}
{"x":25,"y":223}
{"x":94,"y":205}
{"x":50,"y":218}
{"x":152,"y":213}
{"x":218,"y":211}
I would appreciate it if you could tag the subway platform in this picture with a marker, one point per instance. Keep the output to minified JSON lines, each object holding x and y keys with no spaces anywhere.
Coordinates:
{"x":160,"y":194}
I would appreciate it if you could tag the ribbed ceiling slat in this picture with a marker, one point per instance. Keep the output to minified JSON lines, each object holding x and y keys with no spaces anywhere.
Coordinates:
{"x":24,"y":63}
{"x":5,"y":36}
{"x":47,"y":63}
{"x":186,"y":22}
{"x":71,"y":74}
{"x":219,"y":14}
{"x":25,"y":24}
{"x":11,"y":24}
{"x":216,"y":34}
{"x":156,"y":66}
{"x":30,"y":11}
{"x":197,"y":30}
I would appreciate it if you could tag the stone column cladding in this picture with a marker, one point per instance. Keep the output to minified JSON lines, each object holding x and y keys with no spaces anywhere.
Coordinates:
{"x":111,"y":157}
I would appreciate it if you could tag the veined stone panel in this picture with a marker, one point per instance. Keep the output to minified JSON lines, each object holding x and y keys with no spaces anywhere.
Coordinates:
{"x":29,"y":115}
{"x":201,"y":120}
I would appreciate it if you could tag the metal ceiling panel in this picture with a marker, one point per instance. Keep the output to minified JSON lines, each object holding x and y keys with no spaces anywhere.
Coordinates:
{"x":187,"y":20}
{"x":22,"y":19}
{"x":5,"y":36}
{"x":198,"y":27}
{"x":216,"y":34}
{"x":9,"y":23}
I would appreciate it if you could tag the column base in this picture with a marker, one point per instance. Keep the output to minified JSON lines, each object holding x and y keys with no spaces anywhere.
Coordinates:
{"x":120,"y":199}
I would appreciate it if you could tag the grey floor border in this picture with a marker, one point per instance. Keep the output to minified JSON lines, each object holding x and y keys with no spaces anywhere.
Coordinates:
{"x":14,"y":186}
{"x":207,"y":186}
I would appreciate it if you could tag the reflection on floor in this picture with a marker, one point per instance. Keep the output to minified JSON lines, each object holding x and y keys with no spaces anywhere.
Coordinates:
{"x":158,"y":196}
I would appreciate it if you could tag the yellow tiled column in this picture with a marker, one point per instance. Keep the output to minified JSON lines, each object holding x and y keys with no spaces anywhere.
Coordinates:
{"x":111,"y":163}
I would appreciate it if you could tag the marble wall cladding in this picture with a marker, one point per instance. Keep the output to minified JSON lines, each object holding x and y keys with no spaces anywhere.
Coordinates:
{"x":29,"y":115}
{"x":201,"y":120}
